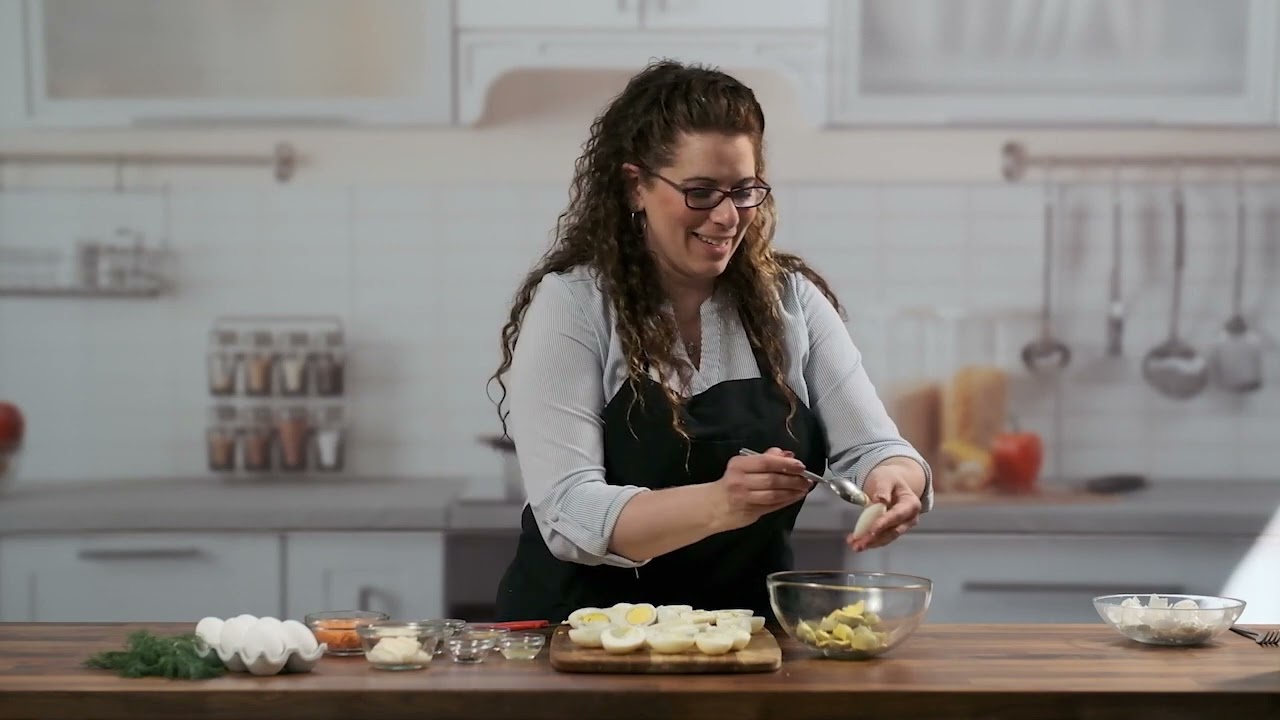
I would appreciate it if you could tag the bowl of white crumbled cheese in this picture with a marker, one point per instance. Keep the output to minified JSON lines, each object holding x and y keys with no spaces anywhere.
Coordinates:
{"x":1169,"y":619}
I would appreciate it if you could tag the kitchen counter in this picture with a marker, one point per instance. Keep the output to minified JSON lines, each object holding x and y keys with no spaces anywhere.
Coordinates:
{"x":943,"y":671}
{"x":339,"y":503}
{"x":274,"y":504}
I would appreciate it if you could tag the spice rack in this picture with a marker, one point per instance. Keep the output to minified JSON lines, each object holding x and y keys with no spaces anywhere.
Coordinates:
{"x":278,"y":393}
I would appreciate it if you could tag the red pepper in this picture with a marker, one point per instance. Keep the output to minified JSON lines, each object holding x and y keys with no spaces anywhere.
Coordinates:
{"x":1016,"y":458}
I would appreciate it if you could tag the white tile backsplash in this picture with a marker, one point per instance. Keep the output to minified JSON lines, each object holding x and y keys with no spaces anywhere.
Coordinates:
{"x":422,"y":275}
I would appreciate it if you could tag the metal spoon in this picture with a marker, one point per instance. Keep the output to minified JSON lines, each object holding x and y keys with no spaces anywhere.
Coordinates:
{"x":1045,"y":352}
{"x":843,"y":487}
{"x":1174,"y":368}
{"x":1115,"y":308}
{"x":1237,"y":355}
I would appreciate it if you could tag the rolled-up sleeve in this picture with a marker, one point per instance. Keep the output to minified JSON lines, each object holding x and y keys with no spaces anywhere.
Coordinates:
{"x":860,"y":433}
{"x":556,"y":393}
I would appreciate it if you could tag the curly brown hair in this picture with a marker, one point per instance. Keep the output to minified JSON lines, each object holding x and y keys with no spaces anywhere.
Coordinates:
{"x":642,"y":126}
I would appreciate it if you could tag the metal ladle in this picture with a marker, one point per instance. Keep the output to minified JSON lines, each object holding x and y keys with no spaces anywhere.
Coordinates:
{"x":1046,"y":353}
{"x":1237,"y":355}
{"x":1174,"y":368}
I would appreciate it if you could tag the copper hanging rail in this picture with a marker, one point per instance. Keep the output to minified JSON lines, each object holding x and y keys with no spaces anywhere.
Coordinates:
{"x":1016,"y":161}
{"x":283,"y":160}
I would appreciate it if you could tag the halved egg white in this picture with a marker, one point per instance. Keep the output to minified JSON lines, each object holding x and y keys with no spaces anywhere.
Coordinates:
{"x":617,"y":613}
{"x":714,"y":642}
{"x":669,"y":642}
{"x":622,"y":639}
{"x":698,"y":616}
{"x":640,"y":614}
{"x":588,"y":636}
{"x":589,"y":616}
{"x":671,"y":613}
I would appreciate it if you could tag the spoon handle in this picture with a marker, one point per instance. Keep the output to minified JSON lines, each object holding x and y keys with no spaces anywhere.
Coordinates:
{"x":811,"y":476}
{"x":849,"y":491}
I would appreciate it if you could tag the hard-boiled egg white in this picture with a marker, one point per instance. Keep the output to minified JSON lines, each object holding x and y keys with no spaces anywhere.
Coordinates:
{"x":622,"y":639}
{"x":671,"y":613}
{"x":669,"y":642}
{"x":587,"y":636}
{"x":714,"y":642}
{"x":640,"y":614}
{"x":618,"y":613}
{"x":698,"y":616}
{"x":588,"y":616}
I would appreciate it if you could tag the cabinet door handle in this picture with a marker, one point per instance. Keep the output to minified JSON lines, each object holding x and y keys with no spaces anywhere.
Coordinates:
{"x":1031,"y":587}
{"x":138,"y":553}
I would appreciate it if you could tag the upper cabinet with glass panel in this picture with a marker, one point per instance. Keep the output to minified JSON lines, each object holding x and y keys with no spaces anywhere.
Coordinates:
{"x":1055,"y":61}
{"x":433,"y":62}
{"x":158,"y":61}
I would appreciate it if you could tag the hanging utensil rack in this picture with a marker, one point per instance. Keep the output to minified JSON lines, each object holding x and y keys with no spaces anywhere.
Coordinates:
{"x":283,"y":160}
{"x":1017,"y":162}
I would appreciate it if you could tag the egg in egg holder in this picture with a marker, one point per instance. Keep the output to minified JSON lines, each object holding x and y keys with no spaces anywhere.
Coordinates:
{"x":260,"y":645}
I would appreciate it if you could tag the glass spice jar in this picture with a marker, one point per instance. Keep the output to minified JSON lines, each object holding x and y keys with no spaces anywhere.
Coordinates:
{"x":222,"y":363}
{"x":293,"y":426}
{"x":329,"y":364}
{"x":258,"y":364}
{"x":257,"y":439}
{"x":330,"y":440}
{"x":220,"y":439}
{"x":292,"y":364}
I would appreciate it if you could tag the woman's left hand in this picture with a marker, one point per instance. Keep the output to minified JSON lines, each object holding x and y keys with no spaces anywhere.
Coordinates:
{"x":890,"y":483}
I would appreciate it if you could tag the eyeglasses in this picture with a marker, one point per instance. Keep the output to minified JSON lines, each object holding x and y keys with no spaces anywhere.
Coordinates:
{"x":707,"y":198}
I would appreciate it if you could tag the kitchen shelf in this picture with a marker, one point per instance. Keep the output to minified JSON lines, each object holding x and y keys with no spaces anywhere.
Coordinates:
{"x":68,"y":291}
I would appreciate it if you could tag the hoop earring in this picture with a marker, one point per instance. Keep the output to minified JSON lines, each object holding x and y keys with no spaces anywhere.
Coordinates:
{"x":639,"y":222}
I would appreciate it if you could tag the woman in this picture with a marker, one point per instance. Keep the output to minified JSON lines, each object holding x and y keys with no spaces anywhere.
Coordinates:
{"x":661,"y":334}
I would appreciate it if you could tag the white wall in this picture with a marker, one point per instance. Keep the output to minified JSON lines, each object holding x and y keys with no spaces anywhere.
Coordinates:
{"x":416,"y":238}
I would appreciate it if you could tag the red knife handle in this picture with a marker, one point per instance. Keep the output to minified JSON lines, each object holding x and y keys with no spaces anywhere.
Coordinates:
{"x":523,"y":624}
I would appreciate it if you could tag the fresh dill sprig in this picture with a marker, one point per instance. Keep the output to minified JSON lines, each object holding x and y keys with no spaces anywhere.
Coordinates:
{"x":147,"y":655}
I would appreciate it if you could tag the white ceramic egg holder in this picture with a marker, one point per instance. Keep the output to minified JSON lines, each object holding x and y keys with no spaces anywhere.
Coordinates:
{"x":261,"y":646}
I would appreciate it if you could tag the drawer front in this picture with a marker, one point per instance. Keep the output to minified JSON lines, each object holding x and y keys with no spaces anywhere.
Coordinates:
{"x":1016,"y":578}
{"x":146,"y":577}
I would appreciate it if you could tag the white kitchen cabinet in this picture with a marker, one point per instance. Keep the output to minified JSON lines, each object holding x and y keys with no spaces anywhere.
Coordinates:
{"x":1044,"y":578}
{"x":145,"y":577}
{"x":558,"y":15}
{"x":399,"y":573}
{"x":1138,"y":62}
{"x":735,"y":15}
{"x":130,"y":62}
{"x":701,"y":15}
{"x":790,"y":39}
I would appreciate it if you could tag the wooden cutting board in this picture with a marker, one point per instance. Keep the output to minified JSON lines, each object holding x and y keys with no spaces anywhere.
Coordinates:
{"x":762,"y":654}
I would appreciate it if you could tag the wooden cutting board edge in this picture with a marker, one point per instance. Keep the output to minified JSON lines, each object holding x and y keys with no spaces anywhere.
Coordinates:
{"x":762,"y":654}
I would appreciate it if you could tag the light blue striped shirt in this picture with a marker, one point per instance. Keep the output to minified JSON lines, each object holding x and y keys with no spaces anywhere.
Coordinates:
{"x":569,"y":363}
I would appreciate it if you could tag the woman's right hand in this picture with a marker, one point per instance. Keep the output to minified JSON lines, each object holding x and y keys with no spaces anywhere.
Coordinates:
{"x":755,"y":485}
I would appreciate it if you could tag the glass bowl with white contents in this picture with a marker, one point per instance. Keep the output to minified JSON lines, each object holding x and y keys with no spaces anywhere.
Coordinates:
{"x":400,"y":645}
{"x":1172,"y":620}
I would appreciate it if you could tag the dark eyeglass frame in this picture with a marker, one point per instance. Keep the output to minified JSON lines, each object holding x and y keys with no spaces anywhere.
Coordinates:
{"x":717,"y":193}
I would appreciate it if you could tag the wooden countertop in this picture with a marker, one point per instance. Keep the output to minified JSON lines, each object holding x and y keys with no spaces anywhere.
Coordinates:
{"x":988,"y":671}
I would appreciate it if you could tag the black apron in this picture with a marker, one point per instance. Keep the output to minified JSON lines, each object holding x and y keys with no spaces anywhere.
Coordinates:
{"x":723,"y":571}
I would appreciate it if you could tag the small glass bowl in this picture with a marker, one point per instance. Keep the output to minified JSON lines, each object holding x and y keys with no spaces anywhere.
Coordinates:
{"x":484,"y":631}
{"x":399,"y":645}
{"x":523,"y":646}
{"x":467,"y":649}
{"x":338,"y":629}
{"x":448,"y":627}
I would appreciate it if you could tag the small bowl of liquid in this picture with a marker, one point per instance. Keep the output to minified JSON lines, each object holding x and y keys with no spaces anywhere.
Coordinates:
{"x":523,"y":646}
